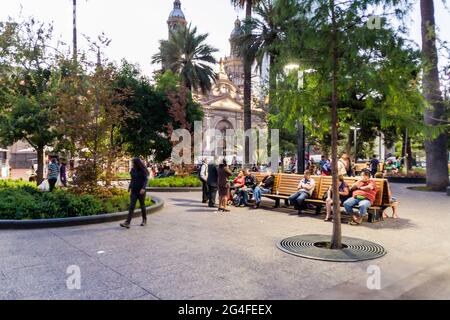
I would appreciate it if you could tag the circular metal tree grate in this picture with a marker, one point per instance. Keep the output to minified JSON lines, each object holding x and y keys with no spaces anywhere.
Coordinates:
{"x":314,"y":246}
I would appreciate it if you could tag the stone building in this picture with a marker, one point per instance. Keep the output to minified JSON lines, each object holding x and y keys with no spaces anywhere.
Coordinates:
{"x":223,"y":106}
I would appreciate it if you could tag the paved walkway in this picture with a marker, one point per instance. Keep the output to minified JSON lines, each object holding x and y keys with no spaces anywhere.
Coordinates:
{"x":188,"y":251}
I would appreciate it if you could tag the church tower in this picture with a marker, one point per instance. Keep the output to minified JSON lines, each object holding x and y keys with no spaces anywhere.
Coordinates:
{"x":234,"y":65}
{"x":176,"y":17}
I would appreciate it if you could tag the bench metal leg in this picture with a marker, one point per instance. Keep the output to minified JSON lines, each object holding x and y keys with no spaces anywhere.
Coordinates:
{"x":286,"y":202}
{"x":277,"y":203}
{"x":318,"y":209}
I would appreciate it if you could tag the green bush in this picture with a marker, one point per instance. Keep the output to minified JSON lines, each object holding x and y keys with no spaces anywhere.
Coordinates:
{"x":19,"y":200}
{"x":176,"y":181}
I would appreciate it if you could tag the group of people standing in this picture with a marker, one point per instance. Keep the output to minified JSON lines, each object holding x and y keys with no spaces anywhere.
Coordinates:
{"x":217,"y":179}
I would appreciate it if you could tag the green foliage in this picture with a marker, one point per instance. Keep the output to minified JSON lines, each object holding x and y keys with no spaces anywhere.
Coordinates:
{"x":176,"y":181}
{"x":20,"y":200}
{"x":187,"y":54}
{"x":146,"y":134}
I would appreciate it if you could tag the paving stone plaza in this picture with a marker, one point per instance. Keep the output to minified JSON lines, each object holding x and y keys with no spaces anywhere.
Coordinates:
{"x":189,"y":251}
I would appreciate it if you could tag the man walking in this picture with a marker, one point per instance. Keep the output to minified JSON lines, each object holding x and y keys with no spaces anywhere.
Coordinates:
{"x":212,"y":184}
{"x":204,"y":180}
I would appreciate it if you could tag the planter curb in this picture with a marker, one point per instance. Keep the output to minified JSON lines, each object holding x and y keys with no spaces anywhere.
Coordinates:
{"x":174,"y":189}
{"x":407,"y":180}
{"x":76,"y":221}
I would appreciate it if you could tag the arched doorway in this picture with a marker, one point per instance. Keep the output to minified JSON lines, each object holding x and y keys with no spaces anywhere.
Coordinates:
{"x":221,"y":143}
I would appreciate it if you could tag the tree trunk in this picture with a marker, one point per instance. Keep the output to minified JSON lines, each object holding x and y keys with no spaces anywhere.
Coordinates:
{"x":407,"y":152}
{"x":247,"y":92}
{"x":436,"y":149}
{"x":40,"y":168}
{"x":75,"y":44}
{"x":336,"y":240}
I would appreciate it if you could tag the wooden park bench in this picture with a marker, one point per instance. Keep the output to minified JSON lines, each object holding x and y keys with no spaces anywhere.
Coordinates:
{"x":286,"y":184}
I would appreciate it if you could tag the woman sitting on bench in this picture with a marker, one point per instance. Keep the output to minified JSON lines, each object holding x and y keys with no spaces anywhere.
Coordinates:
{"x":344,"y":193}
{"x":364,"y":193}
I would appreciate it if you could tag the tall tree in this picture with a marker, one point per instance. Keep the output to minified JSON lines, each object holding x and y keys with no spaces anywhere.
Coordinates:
{"x":26,"y":67}
{"x":436,"y":148}
{"x":332,"y":38}
{"x":248,"y":61}
{"x":186,"y":53}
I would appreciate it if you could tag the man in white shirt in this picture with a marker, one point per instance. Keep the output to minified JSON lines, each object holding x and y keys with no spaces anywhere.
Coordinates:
{"x":204,"y":179}
{"x":305,"y":190}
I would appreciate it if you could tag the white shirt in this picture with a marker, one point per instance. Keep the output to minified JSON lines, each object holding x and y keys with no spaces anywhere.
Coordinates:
{"x":310,"y":182}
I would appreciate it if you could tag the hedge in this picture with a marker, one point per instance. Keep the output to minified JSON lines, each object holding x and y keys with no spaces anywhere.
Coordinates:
{"x":23,"y":201}
{"x":176,"y":181}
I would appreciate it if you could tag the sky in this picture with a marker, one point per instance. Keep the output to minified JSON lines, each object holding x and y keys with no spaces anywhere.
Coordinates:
{"x":136,"y":26}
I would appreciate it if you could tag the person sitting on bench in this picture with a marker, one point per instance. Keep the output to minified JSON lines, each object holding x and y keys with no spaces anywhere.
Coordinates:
{"x":264,"y":187}
{"x":305,"y":190}
{"x":364,"y":193}
{"x":344,"y":193}
{"x":249,"y":185}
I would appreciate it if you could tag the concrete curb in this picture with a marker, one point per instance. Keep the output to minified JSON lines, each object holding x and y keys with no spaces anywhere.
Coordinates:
{"x":174,"y":189}
{"x":76,"y":221}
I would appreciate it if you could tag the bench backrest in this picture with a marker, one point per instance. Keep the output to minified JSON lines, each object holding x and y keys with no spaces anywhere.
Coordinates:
{"x":325,"y":184}
{"x":288,"y":183}
{"x":259,"y":176}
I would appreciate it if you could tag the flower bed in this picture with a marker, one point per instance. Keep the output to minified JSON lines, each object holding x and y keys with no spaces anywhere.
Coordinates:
{"x":175,"y":182}
{"x":20,"y":200}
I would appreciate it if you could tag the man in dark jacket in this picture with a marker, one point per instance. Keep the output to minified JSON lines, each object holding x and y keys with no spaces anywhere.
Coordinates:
{"x":212,"y":184}
{"x":264,"y":187}
{"x":203,"y":174}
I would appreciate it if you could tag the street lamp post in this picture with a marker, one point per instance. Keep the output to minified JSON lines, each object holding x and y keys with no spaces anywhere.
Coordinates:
{"x":355,"y":136}
{"x":299,"y":124}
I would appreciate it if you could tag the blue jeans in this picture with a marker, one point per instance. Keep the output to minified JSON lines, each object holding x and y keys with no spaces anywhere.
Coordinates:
{"x":363,"y":206}
{"x":297,"y":199}
{"x":244,"y":195}
{"x":258,"y":192}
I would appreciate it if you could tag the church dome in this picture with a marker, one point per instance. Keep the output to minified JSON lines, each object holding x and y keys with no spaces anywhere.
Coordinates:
{"x":237,"y":31}
{"x":177,"y":12}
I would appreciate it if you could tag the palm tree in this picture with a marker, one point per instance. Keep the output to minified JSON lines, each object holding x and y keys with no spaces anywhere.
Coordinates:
{"x":187,"y":54}
{"x":75,"y":45}
{"x":248,"y":4}
{"x":436,"y":149}
{"x":264,"y":33}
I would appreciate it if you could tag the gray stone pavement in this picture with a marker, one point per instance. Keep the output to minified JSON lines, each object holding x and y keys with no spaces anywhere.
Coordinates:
{"x":189,"y":251}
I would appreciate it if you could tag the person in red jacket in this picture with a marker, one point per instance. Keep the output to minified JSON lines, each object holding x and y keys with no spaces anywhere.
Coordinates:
{"x":364,"y":193}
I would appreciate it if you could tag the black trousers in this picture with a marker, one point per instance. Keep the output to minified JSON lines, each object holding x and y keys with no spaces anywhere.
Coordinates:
{"x":212,"y":193}
{"x":134,"y":197}
{"x":204,"y":191}
{"x":52,"y":183}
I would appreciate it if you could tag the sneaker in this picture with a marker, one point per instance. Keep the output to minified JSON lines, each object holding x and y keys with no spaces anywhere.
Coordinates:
{"x":144,"y":223}
{"x":125,"y":225}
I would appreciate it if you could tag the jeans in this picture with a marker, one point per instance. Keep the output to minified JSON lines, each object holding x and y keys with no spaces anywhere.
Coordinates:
{"x":134,"y":197}
{"x":258,"y":192}
{"x":244,"y":195}
{"x":297,"y":199}
{"x":363,"y":206}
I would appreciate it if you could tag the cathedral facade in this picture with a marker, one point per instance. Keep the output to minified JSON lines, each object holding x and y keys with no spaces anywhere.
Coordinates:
{"x":223,"y":106}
